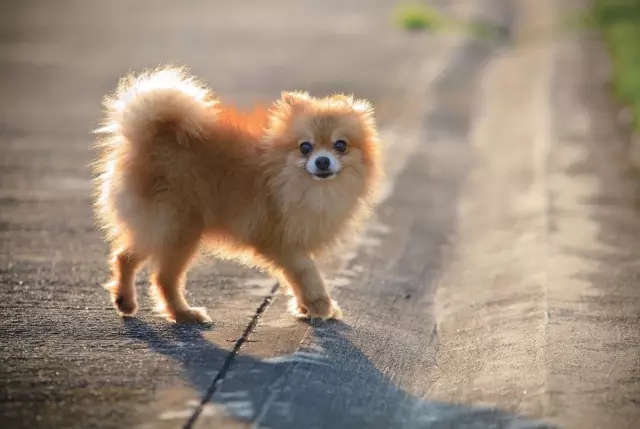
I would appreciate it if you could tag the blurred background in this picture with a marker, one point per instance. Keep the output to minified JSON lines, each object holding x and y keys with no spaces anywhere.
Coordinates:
{"x":499,"y":278}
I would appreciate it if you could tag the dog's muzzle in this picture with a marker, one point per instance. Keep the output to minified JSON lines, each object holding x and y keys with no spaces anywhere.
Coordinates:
{"x":323,"y":165}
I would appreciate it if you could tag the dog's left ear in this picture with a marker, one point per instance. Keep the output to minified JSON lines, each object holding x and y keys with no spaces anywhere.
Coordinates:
{"x":363,"y":107}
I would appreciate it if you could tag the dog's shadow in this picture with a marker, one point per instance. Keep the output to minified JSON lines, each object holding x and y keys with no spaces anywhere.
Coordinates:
{"x":332,"y":385}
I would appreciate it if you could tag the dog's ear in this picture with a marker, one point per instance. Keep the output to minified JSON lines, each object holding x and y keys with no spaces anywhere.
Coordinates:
{"x":294,"y":99}
{"x":363,"y":108}
{"x":289,"y":104}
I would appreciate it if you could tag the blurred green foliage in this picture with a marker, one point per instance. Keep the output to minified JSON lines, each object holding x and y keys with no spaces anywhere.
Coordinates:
{"x":619,"y":21}
{"x":418,"y":16}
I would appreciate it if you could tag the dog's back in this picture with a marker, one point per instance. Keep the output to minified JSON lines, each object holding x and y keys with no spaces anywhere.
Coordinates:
{"x":171,"y":154}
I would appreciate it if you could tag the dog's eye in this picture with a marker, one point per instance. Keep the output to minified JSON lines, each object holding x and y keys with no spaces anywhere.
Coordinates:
{"x":306,"y":148}
{"x":340,"y":146}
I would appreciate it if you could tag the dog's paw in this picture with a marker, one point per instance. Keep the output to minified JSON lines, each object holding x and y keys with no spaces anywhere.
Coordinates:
{"x":125,"y":303}
{"x":126,"y":306}
{"x":192,"y":315}
{"x":321,"y":308}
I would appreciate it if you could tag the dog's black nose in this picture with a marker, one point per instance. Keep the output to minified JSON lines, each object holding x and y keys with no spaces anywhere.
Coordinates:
{"x":323,"y":163}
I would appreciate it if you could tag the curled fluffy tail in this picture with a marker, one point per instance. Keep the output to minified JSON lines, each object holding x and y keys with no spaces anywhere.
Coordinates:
{"x":166,"y":100}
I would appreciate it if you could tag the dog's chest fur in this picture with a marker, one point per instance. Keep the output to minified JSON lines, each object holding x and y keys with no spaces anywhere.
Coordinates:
{"x":318,"y":217}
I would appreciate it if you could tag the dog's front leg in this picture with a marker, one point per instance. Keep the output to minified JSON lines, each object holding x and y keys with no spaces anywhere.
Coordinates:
{"x":312,"y":298}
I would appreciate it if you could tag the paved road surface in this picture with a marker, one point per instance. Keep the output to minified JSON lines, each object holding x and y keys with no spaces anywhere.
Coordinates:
{"x":496,"y":287}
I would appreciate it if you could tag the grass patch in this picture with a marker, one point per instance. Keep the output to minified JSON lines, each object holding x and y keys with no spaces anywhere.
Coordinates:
{"x":416,"y":16}
{"x":619,"y":22}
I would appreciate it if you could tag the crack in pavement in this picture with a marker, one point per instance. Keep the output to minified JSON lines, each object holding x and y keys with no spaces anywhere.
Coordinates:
{"x":220,"y":376}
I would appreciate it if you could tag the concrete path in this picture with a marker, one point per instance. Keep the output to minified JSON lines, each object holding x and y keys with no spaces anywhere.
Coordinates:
{"x":496,"y":286}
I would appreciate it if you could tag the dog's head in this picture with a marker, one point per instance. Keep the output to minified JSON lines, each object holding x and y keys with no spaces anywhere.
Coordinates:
{"x":324,"y":146}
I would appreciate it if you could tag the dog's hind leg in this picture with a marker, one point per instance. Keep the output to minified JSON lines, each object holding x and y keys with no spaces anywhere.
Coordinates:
{"x":125,"y":262}
{"x":170,"y":266}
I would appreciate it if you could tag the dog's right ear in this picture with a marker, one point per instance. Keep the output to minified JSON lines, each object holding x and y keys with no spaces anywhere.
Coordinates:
{"x":289,"y":104}
{"x":294,"y":99}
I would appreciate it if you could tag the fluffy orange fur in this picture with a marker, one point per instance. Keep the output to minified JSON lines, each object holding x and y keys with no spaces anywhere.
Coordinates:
{"x":178,"y":169}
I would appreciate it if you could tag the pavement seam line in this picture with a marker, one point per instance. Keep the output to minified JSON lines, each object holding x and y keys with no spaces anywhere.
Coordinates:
{"x":521,"y":372}
{"x":220,"y":376}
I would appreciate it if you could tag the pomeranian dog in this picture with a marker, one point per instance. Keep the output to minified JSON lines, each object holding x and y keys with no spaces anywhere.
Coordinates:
{"x":274,"y":187}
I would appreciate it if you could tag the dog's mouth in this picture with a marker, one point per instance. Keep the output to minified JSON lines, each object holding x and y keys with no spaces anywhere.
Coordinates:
{"x":321,"y":175}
